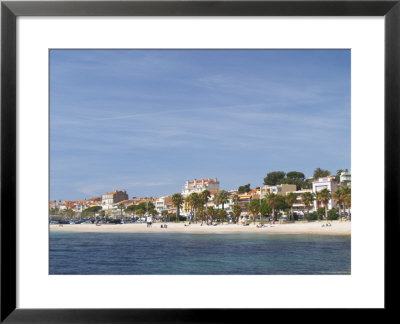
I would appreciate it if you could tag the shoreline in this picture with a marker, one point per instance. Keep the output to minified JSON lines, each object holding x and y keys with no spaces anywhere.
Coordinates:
{"x":312,"y":228}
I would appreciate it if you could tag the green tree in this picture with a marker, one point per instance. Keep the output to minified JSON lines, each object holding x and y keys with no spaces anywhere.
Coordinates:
{"x":164,"y":213}
{"x":333,"y":214}
{"x":210,"y":213}
{"x":254,"y":208}
{"x":91,"y":210}
{"x":244,"y":189}
{"x":291,"y":198}
{"x":152,"y":212}
{"x":121,"y":207}
{"x":295,"y":175}
{"x":272,"y":200}
{"x":235,"y":199}
{"x":221,"y":215}
{"x":237,"y":210}
{"x":307,"y":199}
{"x":140,"y":212}
{"x":320,"y":173}
{"x":221,"y":198}
{"x":324,"y":196}
{"x":69,"y":213}
{"x":282,"y":204}
{"x":274,"y":177}
{"x":201,"y":213}
{"x":196,"y":202}
{"x":347,"y":199}
{"x":338,"y":173}
{"x":313,"y":216}
{"x":320,"y":213}
{"x":339,"y":197}
{"x":130,"y":209}
{"x":265,"y":209}
{"x":205,"y":196}
{"x":177,"y":201}
{"x":171,"y":217}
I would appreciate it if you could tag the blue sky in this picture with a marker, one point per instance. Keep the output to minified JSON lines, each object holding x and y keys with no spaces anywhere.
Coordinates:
{"x":148,"y":120}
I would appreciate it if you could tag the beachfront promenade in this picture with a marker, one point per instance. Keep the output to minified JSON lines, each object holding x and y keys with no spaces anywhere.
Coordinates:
{"x":336,"y":228}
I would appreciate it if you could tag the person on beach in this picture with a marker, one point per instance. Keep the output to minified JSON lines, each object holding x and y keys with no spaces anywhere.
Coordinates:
{"x":149,"y":221}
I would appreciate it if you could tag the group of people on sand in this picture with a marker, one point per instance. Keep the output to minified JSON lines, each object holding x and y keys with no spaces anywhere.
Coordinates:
{"x":261,"y":225}
{"x":327,"y":225}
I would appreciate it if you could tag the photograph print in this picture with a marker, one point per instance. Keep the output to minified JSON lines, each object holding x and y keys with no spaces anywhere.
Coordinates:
{"x":200,"y":162}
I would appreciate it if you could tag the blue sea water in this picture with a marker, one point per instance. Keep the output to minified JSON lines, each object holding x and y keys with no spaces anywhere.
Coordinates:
{"x":200,"y":254}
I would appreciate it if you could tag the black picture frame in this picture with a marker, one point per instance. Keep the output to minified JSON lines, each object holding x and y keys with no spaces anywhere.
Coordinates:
{"x":10,"y":10}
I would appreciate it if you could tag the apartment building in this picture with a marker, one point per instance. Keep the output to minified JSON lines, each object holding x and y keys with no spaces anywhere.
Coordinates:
{"x":345,"y":178}
{"x":163,"y":203}
{"x":199,"y":186}
{"x":111,"y":198}
{"x":325,"y":183}
{"x":299,"y":206}
{"x":281,"y":189}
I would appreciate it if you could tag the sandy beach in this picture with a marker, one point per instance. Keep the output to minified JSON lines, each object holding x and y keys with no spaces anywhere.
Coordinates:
{"x":336,"y":228}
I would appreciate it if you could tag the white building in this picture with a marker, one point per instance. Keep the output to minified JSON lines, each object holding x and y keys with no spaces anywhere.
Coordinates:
{"x":325,"y":183}
{"x":111,"y":198}
{"x":345,"y":178}
{"x":199,"y":186}
{"x":299,"y":206}
{"x":163,"y":203}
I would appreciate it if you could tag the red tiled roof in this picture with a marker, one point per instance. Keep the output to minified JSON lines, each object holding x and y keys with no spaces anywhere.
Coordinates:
{"x":94,"y":199}
{"x":110,"y":193}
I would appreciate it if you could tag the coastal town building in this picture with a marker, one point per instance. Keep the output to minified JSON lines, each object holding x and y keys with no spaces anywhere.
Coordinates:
{"x":325,"y":183}
{"x":244,"y":199}
{"x":199,"y":186}
{"x":127,"y":202}
{"x":111,"y":198}
{"x":54,"y":204}
{"x":255,"y":193}
{"x":95,"y":201}
{"x":299,"y":206}
{"x":163,"y":203}
{"x":281,"y":189}
{"x":345,"y":178}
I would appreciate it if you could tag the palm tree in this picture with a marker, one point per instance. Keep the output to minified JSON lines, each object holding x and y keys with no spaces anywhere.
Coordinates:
{"x":307,"y":199}
{"x":205,"y":195}
{"x":236,"y":212}
{"x":347,"y":199}
{"x":320,"y":173}
{"x":121,"y":207}
{"x":221,"y":198}
{"x":222,"y":214}
{"x":201,"y":213}
{"x":254,"y":208}
{"x":324,"y":196}
{"x":177,"y":201}
{"x":291,"y":198}
{"x":194,"y":202}
{"x":272,"y":201}
{"x":164,"y":214}
{"x":210,"y":213}
{"x":338,"y":195}
{"x":235,"y":199}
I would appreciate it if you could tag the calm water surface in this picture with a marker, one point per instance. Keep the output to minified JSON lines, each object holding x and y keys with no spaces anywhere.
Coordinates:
{"x":207,"y":254}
